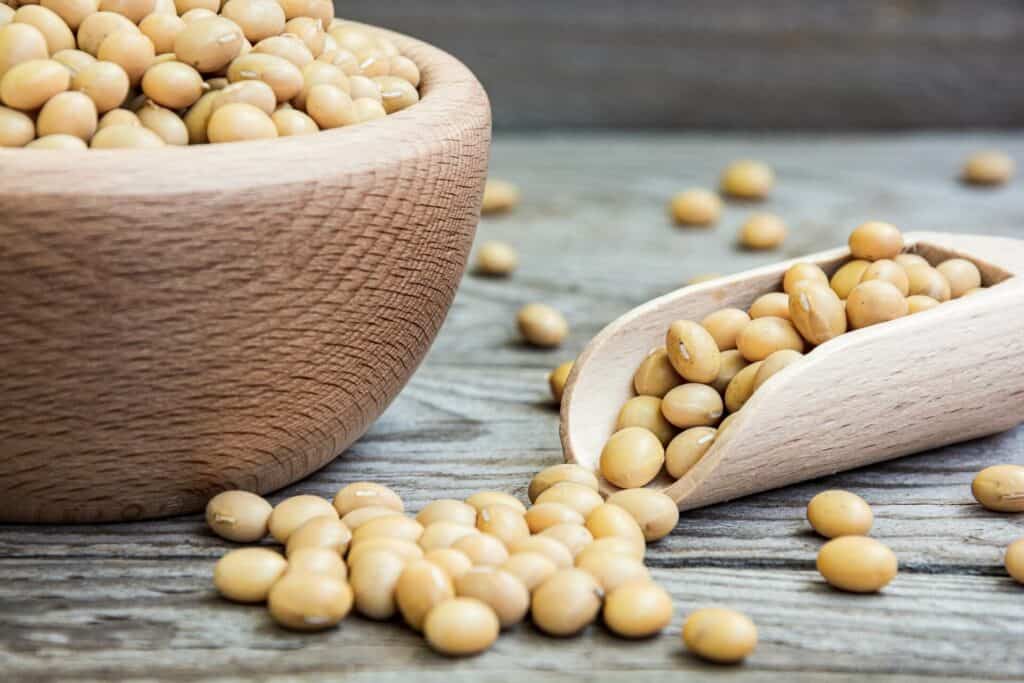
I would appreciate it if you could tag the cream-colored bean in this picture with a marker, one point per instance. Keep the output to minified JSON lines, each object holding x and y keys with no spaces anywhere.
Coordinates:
{"x":655,"y":512}
{"x":162,"y":29}
{"x":59,"y":141}
{"x":310,"y":31}
{"x":125,"y":137}
{"x":927,"y":281}
{"x":482,"y":499}
{"x":557,"y":379}
{"x":730,"y":366}
{"x":989,"y":167}
{"x":454,"y":562}
{"x":575,"y":537}
{"x":447,"y":510}
{"x":631,"y":457}
{"x":499,"y":195}
{"x":320,"y":532}
{"x":258,"y":19}
{"x":580,"y":497}
{"x":645,"y":411}
{"x":396,"y":93}
{"x":1014,"y":560}
{"x":817,"y":312}
{"x":656,"y":376}
{"x":366,"y":494}
{"x":888,"y":271}
{"x":421,"y":586}
{"x":20,"y":43}
{"x":566,"y":603}
{"x":692,"y":405}
{"x":131,"y":50}
{"x":918,"y":303}
{"x":1000,"y":488}
{"x":68,"y":113}
{"x":741,"y":388}
{"x":238,"y":516}
{"x":961,"y":274}
{"x":57,"y":34}
{"x":725,"y":325}
{"x":360,"y":516}
{"x":543,"y":515}
{"x":165,"y":123}
{"x":73,"y":12}
{"x":837,"y":513}
{"x":764,"y":336}
{"x":105,"y":83}
{"x":531,"y":568}
{"x":406,"y":550}
{"x":307,"y":602}
{"x":686,"y":449}
{"x":247,"y":574}
{"x":29,"y":85}
{"x":313,"y":560}
{"x":762,"y":231}
{"x":97,"y":26}
{"x":506,"y":523}
{"x":198,"y":117}
{"x":719,"y":635}
{"x":801,"y":272}
{"x":119,"y":117}
{"x":692,"y":351}
{"x":874,"y":302}
{"x":392,"y":526}
{"x":848,"y":276}
{"x":292,"y":513}
{"x":556,"y":474}
{"x":461,"y":627}
{"x":373,"y":578}
{"x":542,"y":326}
{"x":614,"y":544}
{"x":281,"y":75}
{"x":290,"y":122}
{"x":495,"y":259}
{"x":172,"y":84}
{"x":772,"y":304}
{"x":875,"y":240}
{"x":483,"y":549}
{"x":775,"y":363}
{"x":637,"y":609}
{"x":857,"y":564}
{"x":612,"y":520}
{"x":550,"y":548}
{"x":695,"y":207}
{"x":135,"y":10}
{"x":502,"y":591}
{"x":611,"y":570}
{"x":747,"y":179}
{"x":73,"y":60}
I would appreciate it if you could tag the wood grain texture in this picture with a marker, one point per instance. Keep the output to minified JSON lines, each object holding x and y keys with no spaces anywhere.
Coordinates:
{"x":738,"y":64}
{"x":881,"y":392}
{"x":183,"y":320}
{"x":130,"y":601}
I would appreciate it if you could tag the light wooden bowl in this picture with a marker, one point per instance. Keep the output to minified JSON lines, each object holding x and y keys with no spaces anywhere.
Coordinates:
{"x":185,"y":320}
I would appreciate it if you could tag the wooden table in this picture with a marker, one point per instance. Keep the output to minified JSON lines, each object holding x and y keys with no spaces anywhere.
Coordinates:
{"x":135,"y":601}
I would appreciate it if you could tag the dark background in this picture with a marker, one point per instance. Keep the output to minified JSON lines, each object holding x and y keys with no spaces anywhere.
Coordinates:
{"x":775,"y":64}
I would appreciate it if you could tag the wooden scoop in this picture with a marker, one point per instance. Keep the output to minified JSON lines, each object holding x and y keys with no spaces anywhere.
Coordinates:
{"x":950,"y":374}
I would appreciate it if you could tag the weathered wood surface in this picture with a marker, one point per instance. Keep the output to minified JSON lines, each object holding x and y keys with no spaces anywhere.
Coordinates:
{"x":736,"y":64}
{"x":134,"y":601}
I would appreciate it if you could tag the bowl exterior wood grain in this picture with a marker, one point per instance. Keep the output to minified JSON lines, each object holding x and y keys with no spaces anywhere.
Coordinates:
{"x":184,"y":320}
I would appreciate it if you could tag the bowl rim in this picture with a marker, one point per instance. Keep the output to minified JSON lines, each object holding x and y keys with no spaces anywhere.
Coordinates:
{"x":451,"y":101}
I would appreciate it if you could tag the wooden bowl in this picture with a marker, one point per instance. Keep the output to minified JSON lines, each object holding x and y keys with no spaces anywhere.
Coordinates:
{"x":181,"y":321}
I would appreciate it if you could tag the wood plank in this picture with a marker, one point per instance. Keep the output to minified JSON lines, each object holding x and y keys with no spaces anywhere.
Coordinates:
{"x":741,"y":64}
{"x":135,"y":610}
{"x":111,"y":602}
